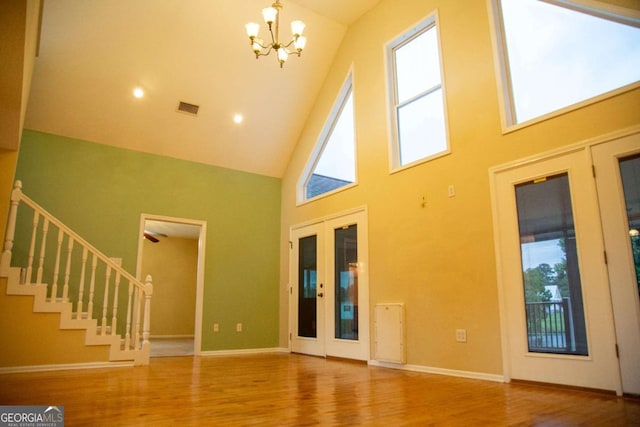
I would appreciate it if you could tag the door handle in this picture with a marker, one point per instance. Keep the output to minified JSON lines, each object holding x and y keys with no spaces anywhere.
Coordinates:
{"x":320,"y":295}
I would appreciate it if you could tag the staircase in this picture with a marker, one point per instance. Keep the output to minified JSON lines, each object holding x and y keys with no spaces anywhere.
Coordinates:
{"x":65,"y":274}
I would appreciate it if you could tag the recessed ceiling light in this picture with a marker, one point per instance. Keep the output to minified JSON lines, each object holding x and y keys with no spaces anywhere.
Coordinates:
{"x":237,"y":118}
{"x":138,"y":92}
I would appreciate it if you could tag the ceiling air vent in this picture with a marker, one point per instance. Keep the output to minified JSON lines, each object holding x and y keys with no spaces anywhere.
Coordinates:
{"x":185,"y":107}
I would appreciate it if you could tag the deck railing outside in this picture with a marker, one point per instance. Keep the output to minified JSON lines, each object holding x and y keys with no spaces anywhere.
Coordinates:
{"x":549,"y":326}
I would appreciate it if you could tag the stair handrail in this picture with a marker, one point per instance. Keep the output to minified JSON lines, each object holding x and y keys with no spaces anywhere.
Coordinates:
{"x":18,"y":196}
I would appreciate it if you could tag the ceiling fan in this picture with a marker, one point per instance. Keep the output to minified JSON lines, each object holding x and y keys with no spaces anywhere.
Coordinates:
{"x":151,"y":236}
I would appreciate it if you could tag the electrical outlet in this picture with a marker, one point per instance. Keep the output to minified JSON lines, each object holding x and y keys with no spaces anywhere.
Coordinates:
{"x":216,"y":327}
{"x":461,"y":335}
{"x":451,"y":191}
{"x":238,"y":327}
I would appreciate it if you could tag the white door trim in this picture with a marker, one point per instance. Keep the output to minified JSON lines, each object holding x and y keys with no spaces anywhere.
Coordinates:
{"x":202,"y":239}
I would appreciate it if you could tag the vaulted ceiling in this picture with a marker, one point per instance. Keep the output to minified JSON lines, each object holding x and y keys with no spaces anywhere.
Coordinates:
{"x":93,"y":53}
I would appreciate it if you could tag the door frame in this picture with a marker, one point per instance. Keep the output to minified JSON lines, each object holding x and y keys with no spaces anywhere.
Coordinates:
{"x":363,"y":253}
{"x":202,"y":243}
{"x":493,"y":183}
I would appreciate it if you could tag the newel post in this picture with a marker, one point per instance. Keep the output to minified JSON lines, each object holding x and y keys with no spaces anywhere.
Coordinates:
{"x":5,"y":261}
{"x":148,"y":291}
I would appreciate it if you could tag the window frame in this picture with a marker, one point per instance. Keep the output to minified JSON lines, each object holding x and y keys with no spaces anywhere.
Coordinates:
{"x":347,"y":88}
{"x":430,"y":22}
{"x":506,"y":101}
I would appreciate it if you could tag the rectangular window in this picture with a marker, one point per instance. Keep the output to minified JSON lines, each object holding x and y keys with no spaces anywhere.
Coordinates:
{"x":630,"y":173}
{"x":418,"y":112}
{"x":307,"y":287}
{"x":346,"y":283}
{"x":550,"y":270}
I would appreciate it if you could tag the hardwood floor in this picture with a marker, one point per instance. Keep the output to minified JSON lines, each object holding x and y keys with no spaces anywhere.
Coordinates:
{"x":285,"y":390}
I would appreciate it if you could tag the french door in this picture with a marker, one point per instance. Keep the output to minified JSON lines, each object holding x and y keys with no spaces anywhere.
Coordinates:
{"x":617,"y":166}
{"x":556,"y":307}
{"x":329,"y":288}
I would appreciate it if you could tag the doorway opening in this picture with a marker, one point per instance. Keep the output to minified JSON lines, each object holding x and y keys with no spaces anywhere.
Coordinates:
{"x":171,"y":250}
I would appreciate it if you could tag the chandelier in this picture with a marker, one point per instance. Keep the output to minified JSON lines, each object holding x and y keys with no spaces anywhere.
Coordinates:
{"x":271,"y":17}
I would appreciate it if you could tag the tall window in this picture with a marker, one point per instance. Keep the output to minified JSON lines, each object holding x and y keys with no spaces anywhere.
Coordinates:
{"x":557,"y":54}
{"x":332,"y":164}
{"x":418,"y":113}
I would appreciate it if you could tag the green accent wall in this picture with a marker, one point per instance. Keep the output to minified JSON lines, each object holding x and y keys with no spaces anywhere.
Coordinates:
{"x":101,"y":191}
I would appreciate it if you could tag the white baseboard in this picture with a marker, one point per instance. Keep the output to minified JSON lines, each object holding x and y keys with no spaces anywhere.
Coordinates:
{"x":243,"y":351}
{"x":439,"y":371}
{"x":169,"y":337}
{"x":63,"y":367}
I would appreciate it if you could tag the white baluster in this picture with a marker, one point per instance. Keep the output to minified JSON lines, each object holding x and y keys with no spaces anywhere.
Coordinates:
{"x":5,"y":259}
{"x":138,"y":309}
{"x":56,"y":268}
{"x":83,"y":271}
{"x":127,"y":334}
{"x":92,"y":285}
{"x":105,"y":302}
{"x":148,"y":291}
{"x":32,"y":247}
{"x":114,"y":317}
{"x":67,"y":271}
{"x":43,"y":248}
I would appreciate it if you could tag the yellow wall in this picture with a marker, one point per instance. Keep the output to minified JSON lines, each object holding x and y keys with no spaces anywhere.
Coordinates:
{"x":18,"y":41}
{"x":33,"y":339}
{"x":437,"y":259}
{"x":172,"y":263}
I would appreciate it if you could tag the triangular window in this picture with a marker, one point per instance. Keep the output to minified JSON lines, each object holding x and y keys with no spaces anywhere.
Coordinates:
{"x":562,"y":53}
{"x":332,"y":165}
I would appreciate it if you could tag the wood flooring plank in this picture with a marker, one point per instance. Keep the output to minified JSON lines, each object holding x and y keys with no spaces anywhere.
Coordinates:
{"x":297,"y":390}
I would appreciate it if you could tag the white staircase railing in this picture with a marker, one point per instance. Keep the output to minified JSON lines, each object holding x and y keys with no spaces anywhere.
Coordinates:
{"x":75,"y":274}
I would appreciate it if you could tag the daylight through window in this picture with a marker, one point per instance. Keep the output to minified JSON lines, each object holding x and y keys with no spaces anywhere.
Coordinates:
{"x":418,"y":99}
{"x":333,"y":162}
{"x":558,"y":57}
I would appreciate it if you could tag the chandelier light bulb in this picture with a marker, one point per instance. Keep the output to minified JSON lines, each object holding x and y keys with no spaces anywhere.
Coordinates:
{"x":252,"y":29}
{"x":297,"y":27}
{"x":283,"y":55}
{"x":269,"y":14}
{"x":257,"y":46}
{"x":300,"y":43}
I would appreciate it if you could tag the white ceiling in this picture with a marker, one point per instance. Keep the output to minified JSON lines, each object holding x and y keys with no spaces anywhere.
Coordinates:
{"x":166,"y":229}
{"x":94,"y":52}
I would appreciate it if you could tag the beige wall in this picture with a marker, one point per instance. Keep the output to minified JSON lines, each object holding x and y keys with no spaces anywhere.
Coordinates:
{"x":437,"y":259}
{"x":172,"y":263}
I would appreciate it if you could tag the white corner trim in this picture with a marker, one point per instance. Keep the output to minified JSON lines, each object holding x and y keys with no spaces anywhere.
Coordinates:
{"x":63,"y":367}
{"x":439,"y":371}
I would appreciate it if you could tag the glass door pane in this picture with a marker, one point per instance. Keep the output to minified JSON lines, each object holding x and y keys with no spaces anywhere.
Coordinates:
{"x":346,"y":282}
{"x":630,"y":173}
{"x":307,"y":287}
{"x":554,"y":307}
